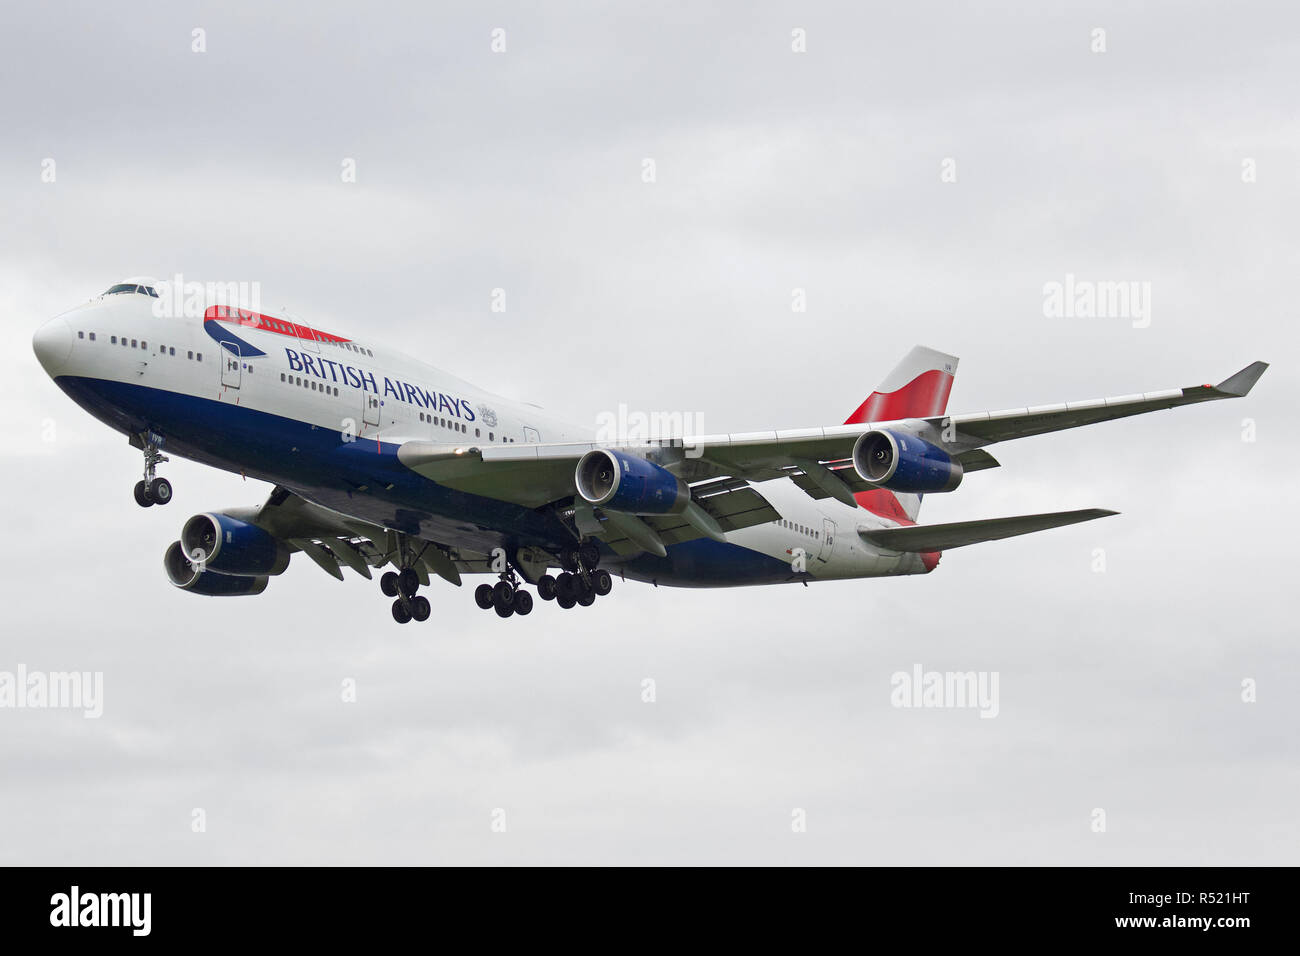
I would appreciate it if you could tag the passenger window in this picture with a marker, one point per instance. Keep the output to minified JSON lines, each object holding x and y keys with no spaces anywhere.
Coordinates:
{"x":144,"y":344}
{"x":190,"y":356}
{"x":81,"y":335}
{"x":282,"y":376}
{"x":490,"y":438}
{"x":92,"y":336}
{"x":199,"y":356}
{"x":170,"y":351}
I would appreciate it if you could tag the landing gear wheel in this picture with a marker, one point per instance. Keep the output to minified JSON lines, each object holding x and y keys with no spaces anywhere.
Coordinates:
{"x":160,"y":490}
{"x":388,"y":583}
{"x":546,"y":587}
{"x":523,"y":603}
{"x":142,"y":495}
{"x":587,"y":598}
{"x":504,"y":610}
{"x":569,"y":559}
{"x":564,"y":586}
{"x":601,"y":582}
{"x":483,"y":596}
{"x":408,"y":582}
{"x":153,"y":490}
{"x":589,"y":554}
{"x":503,"y":594}
{"x":565,"y":601}
{"x":400,"y":614}
{"x":420,"y":609}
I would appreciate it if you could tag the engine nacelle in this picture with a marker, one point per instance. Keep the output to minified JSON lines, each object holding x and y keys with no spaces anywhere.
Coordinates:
{"x":902,"y":462}
{"x":621,"y":482}
{"x":227,"y":545}
{"x":187,"y":577}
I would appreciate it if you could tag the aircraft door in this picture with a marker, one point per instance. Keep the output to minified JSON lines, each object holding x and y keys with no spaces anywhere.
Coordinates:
{"x":370,"y":412}
{"x":530,"y":435}
{"x":231,"y":362}
{"x":828,"y":540}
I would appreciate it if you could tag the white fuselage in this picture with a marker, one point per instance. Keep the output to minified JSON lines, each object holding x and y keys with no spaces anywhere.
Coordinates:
{"x":123,"y":361}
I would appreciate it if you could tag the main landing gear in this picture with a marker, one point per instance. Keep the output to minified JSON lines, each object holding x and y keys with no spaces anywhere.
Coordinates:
{"x":506,"y":597}
{"x":152,"y":490}
{"x":581,"y":581}
{"x":402,"y":585}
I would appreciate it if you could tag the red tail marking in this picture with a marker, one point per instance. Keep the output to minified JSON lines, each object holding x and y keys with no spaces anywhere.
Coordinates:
{"x":881,"y":501}
{"x":923,"y":396}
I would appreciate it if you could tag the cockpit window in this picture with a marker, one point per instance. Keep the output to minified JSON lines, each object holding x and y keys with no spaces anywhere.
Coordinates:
{"x":122,"y":287}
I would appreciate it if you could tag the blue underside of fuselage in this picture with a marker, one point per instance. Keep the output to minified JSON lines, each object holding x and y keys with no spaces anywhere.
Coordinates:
{"x":364,"y":478}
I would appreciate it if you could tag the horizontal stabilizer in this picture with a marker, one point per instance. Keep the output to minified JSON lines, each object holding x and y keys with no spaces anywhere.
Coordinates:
{"x":940,"y":537}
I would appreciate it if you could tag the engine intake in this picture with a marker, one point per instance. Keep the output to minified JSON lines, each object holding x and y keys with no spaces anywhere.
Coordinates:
{"x":618,"y":481}
{"x":187,"y":577}
{"x":227,"y":545}
{"x":902,"y":462}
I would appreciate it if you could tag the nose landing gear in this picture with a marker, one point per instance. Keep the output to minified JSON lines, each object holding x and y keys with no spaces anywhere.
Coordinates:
{"x":153,"y":490}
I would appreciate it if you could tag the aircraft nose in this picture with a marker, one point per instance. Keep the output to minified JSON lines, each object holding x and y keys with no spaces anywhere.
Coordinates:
{"x":52,"y":344}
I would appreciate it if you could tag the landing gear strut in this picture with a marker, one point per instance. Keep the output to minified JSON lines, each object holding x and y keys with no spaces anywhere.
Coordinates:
{"x":581,"y":581}
{"x":402,"y":585}
{"x":153,"y":490}
{"x":507,"y":597}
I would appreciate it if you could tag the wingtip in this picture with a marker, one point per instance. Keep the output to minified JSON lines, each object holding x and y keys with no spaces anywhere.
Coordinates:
{"x":1241,"y":383}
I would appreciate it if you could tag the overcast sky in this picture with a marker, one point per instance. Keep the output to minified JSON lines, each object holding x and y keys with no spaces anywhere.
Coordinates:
{"x":1172,"y":158}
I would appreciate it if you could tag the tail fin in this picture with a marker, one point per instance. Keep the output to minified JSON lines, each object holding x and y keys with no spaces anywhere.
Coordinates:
{"x":918,"y":387}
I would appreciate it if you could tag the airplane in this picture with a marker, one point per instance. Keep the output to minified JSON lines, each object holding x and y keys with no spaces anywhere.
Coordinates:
{"x":379,"y":460}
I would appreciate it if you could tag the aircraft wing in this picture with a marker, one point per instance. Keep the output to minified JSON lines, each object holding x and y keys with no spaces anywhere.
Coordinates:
{"x":985,"y":428}
{"x":958,"y":534}
{"x":334,"y":541}
{"x":816,"y":459}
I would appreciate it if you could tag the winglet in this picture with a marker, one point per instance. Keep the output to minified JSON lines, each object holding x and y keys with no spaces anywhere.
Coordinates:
{"x":1241,"y":383}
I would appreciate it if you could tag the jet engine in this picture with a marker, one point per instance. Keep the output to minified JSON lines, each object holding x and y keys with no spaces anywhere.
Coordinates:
{"x":227,"y":545}
{"x":618,"y":481}
{"x":902,"y":462}
{"x":187,"y":577}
